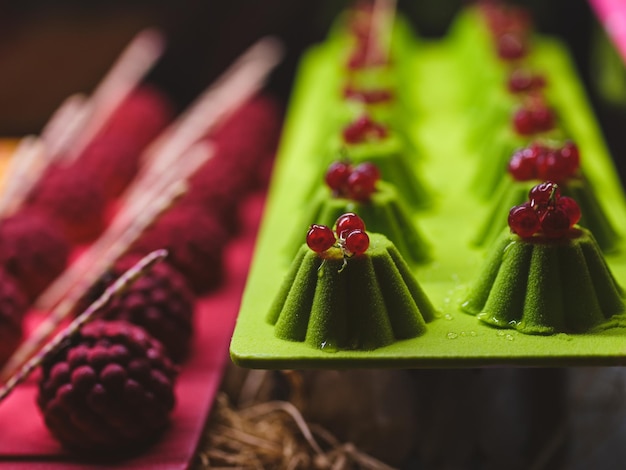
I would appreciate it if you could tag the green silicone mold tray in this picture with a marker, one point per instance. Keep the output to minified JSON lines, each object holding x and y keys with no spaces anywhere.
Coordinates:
{"x":447,"y":163}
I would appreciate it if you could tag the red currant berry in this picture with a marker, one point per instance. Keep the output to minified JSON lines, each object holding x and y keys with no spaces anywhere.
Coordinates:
{"x":511,"y":47}
{"x":520,"y":80}
{"x":555,"y":222}
{"x":551,"y":166}
{"x":320,"y":238}
{"x":571,"y":208}
{"x":355,"y":132}
{"x":543,"y":118}
{"x":348,"y":222}
{"x":522,"y":166}
{"x":523,"y":220}
{"x":370,"y":169}
{"x":360,"y":185}
{"x":544,"y":195}
{"x":539,"y":81}
{"x":571,"y":157}
{"x":357,"y":242}
{"x":524,"y":122}
{"x":337,"y":176}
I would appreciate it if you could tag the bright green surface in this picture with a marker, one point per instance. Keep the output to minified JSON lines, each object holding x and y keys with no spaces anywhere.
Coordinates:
{"x":455,"y":339}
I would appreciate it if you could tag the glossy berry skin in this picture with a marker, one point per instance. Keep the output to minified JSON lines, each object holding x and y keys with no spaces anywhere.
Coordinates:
{"x":523,"y":164}
{"x":347,"y":223}
{"x":320,"y":238}
{"x":523,"y":122}
{"x":570,"y":154}
{"x":337,"y":176}
{"x":555,"y":222}
{"x":543,"y":118}
{"x":543,"y":194}
{"x":511,"y":47}
{"x":357,"y":242}
{"x":361,"y":183}
{"x":523,"y":220}
{"x":571,"y":208}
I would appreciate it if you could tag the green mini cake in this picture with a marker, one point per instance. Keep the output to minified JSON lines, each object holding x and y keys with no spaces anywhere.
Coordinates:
{"x":545,"y":286}
{"x":511,"y":193}
{"x":369,"y":303}
{"x":384,"y":213}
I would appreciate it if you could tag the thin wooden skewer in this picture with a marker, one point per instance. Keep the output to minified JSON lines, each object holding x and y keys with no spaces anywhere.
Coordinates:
{"x":237,"y":84}
{"x":116,"y":288}
{"x":132,"y":65}
{"x":128,"y":224}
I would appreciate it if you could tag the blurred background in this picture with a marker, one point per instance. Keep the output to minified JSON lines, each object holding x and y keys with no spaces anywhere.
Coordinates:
{"x":492,"y":418}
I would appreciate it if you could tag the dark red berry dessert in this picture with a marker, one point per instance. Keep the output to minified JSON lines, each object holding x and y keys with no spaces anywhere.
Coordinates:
{"x":195,"y":241}
{"x":320,"y":238}
{"x":109,"y":391}
{"x":160,"y":302}
{"x":33,"y":250}
{"x":13,"y":306}
{"x":114,"y":154}
{"x":75,"y":199}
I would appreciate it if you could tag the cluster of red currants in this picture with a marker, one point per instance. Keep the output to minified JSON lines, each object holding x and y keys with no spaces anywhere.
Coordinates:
{"x":533,"y":117}
{"x":348,"y":235}
{"x":509,"y":26}
{"x":362,"y":129}
{"x":352,"y":182}
{"x":547,"y":213}
{"x":522,"y":80}
{"x":545,"y":163}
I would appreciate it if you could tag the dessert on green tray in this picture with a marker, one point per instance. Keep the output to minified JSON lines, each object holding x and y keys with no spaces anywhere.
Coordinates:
{"x":365,"y":140}
{"x":383,"y":213}
{"x":355,"y":293}
{"x":559,"y":163}
{"x":548,"y":276}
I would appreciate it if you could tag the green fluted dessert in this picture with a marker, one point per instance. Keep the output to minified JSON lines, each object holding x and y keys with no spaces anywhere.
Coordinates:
{"x":511,"y":193}
{"x":384,"y":213}
{"x":542,"y":286}
{"x":371,"y":302}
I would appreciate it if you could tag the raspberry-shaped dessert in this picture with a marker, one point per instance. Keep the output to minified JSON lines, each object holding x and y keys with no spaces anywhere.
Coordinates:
{"x":159,"y":301}
{"x":13,"y":306}
{"x":75,"y":199}
{"x":352,"y":182}
{"x":195,"y":242}
{"x":115,"y":152}
{"x":547,"y":213}
{"x":33,"y":250}
{"x":108,"y":391}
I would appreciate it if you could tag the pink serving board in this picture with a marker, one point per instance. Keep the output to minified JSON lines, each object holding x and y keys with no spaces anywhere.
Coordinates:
{"x":26,"y":443}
